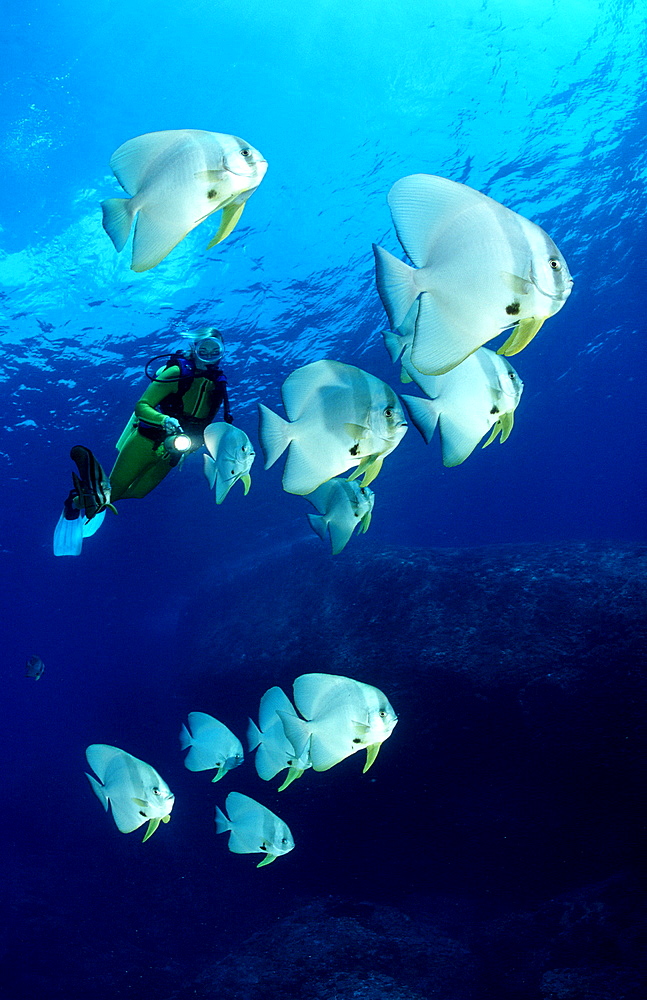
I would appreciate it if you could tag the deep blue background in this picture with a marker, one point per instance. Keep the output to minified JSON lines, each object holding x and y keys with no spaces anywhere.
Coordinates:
{"x":542,"y":107}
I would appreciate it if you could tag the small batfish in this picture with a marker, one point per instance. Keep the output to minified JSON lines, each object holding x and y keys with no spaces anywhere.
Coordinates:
{"x":177,"y":178}
{"x":343,"y":506}
{"x":339,"y":418}
{"x":479,"y":269}
{"x":476,"y":397}
{"x":92,"y":485}
{"x":274,"y":752}
{"x":211,"y":744}
{"x":35,"y":667}
{"x":254,"y":829}
{"x":134,"y":790}
{"x":341,"y":715}
{"x":230,"y":459}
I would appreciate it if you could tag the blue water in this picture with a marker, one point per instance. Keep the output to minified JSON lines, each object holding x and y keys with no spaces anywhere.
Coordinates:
{"x":541,"y":106}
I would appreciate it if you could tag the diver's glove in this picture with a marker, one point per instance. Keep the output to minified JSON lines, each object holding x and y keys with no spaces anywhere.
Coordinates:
{"x":171,"y":426}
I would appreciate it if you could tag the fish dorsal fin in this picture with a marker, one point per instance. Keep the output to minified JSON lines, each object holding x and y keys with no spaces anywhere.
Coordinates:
{"x":299,"y":387}
{"x":202,"y":724}
{"x":321,"y":496}
{"x":423,"y":205}
{"x":99,"y":755}
{"x":134,"y":158}
{"x":274,"y":700}
{"x":213,"y":435}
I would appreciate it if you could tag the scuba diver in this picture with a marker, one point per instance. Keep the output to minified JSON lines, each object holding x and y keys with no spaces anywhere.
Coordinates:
{"x":168,"y":422}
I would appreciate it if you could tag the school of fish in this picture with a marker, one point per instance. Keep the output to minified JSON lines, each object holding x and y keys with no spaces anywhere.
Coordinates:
{"x":478,"y":270}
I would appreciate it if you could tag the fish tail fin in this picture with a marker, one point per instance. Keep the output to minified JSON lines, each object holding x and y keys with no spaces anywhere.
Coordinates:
{"x":254,"y":735}
{"x":117,"y":220}
{"x":396,"y":285}
{"x":186,"y":739}
{"x":274,"y":432}
{"x":210,"y":469}
{"x":222,"y":823}
{"x":319,"y":524}
{"x":98,"y":790}
{"x":424,"y":415}
{"x":297,"y":731}
{"x":394,"y":343}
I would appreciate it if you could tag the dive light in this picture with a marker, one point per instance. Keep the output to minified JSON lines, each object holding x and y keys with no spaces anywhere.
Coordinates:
{"x":178,"y":443}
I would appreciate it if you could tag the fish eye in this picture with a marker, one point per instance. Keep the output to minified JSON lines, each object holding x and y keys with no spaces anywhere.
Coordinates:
{"x":555,"y":264}
{"x":388,"y":412}
{"x":245,"y":152}
{"x":511,"y":375}
{"x":284,"y":840}
{"x":156,"y":791}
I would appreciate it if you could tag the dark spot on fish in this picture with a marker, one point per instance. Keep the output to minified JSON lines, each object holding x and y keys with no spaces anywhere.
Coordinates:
{"x":495,"y":409}
{"x":357,"y":741}
{"x":142,"y":813}
{"x":513,"y":308}
{"x":354,"y":449}
{"x":212,"y":194}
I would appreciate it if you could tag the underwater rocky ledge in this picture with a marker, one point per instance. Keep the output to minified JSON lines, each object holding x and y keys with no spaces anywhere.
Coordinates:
{"x":494,"y":849}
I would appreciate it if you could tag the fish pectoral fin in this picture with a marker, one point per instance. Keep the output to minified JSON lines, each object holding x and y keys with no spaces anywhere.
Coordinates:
{"x":152,"y":827}
{"x":404,"y":375}
{"x":365,"y":522}
{"x":246,"y":480}
{"x":230,"y":216}
{"x":112,"y":507}
{"x":371,"y":754}
{"x":516,"y":284}
{"x":356,"y":431}
{"x":220,"y":773}
{"x":267,"y":860}
{"x":166,"y":819}
{"x":521,"y":336}
{"x":361,"y":727}
{"x":141,"y":803}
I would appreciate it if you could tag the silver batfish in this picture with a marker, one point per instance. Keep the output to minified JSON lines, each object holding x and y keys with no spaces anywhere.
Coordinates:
{"x":339,"y":417}
{"x":134,"y":790}
{"x":479,"y":269}
{"x":343,"y":506}
{"x":177,"y":179}
{"x":230,"y":458}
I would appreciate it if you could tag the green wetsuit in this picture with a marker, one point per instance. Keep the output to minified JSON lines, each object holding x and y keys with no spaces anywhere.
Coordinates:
{"x":143,"y":461}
